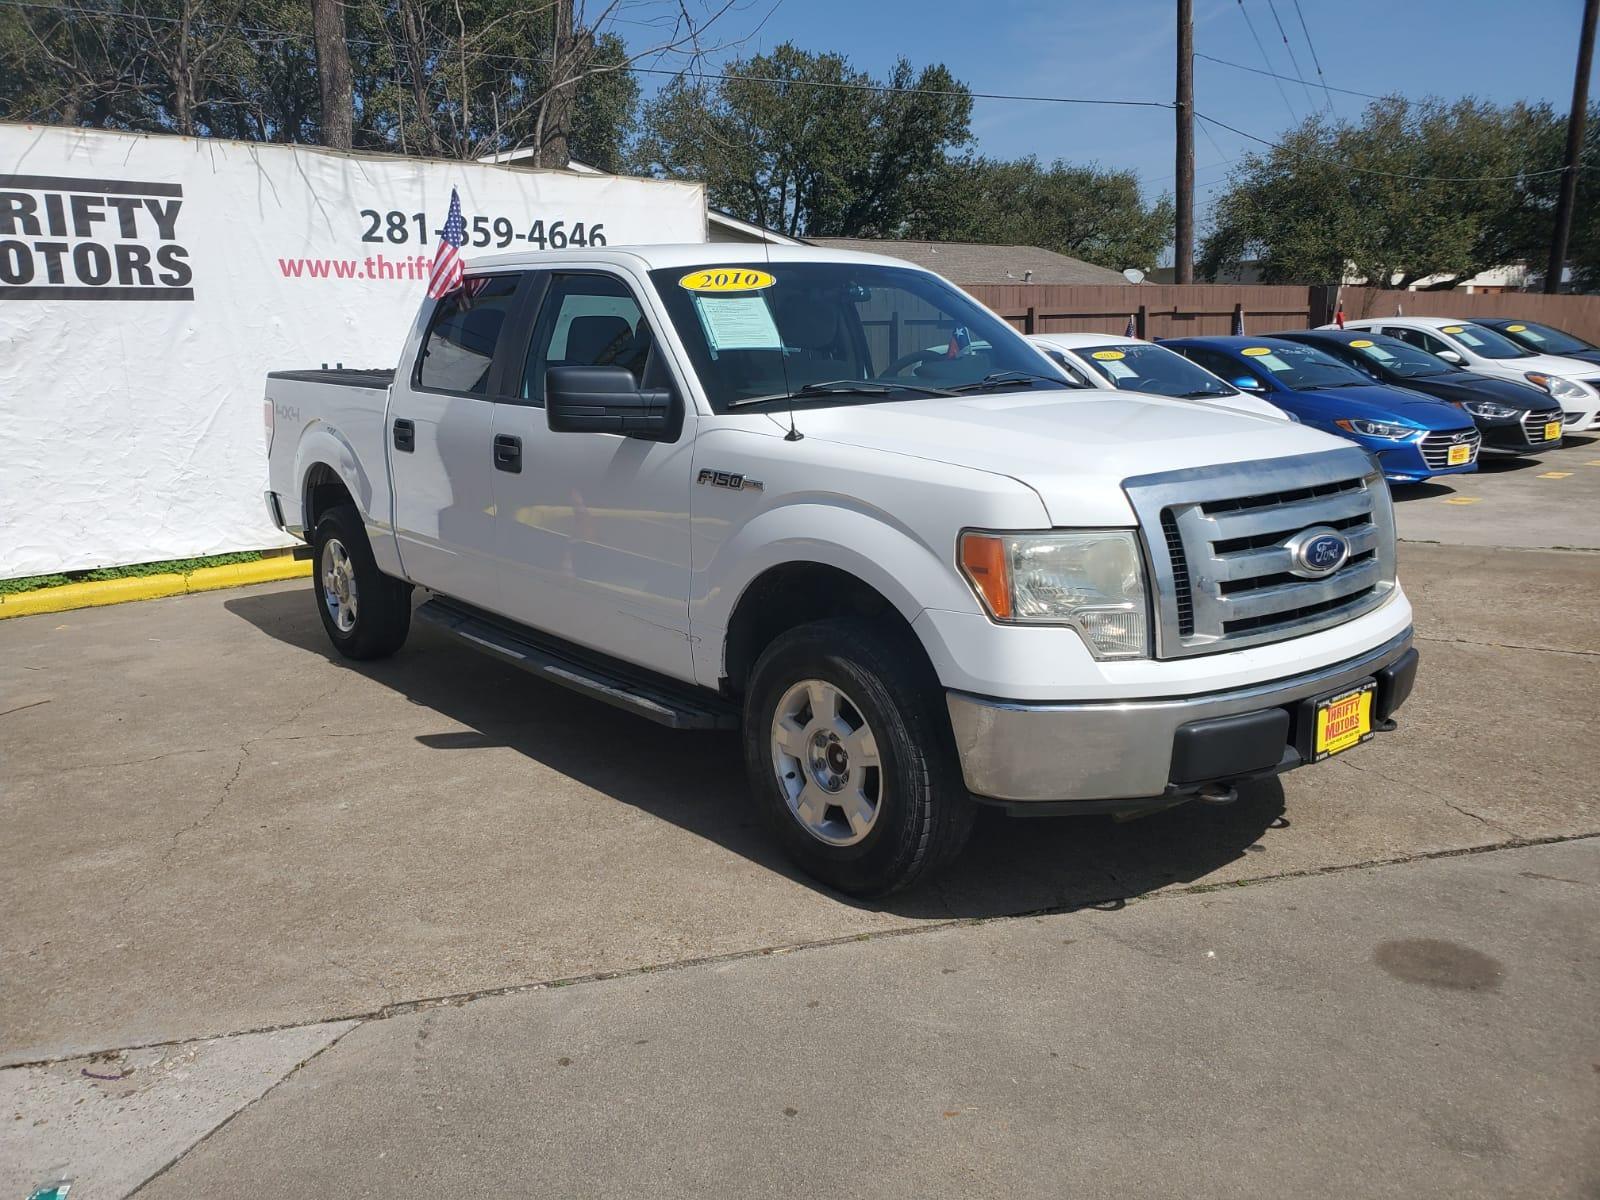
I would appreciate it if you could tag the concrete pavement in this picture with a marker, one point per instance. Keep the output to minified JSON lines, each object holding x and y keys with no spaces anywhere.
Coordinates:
{"x":212,"y":830}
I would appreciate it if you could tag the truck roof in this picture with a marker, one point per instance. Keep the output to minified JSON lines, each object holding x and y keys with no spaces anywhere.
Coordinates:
{"x":685,"y":254}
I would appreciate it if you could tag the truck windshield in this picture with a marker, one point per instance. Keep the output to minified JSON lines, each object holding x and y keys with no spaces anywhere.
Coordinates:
{"x":766,"y":332}
{"x":1132,"y":367}
{"x":1403,"y":359}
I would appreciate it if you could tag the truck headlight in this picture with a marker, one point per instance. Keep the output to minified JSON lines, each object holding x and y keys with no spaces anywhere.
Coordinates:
{"x":1561,"y":389}
{"x":1488,"y":408}
{"x":1090,"y":580}
{"x":1378,"y":429}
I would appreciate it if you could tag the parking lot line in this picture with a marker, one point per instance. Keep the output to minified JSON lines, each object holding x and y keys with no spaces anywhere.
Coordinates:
{"x":1555,"y":475}
{"x":1462,"y":500}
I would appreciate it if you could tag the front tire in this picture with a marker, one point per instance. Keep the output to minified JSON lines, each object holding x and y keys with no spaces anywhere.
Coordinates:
{"x":849,"y":752}
{"x":367,"y":614}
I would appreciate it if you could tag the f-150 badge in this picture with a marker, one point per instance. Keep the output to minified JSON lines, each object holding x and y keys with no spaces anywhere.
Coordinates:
{"x":725,"y":479}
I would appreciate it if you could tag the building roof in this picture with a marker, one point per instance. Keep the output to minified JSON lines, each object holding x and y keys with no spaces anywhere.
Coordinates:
{"x":974,"y":262}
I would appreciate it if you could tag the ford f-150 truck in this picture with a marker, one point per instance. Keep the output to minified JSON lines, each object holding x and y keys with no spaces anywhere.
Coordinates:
{"x":832,"y":501}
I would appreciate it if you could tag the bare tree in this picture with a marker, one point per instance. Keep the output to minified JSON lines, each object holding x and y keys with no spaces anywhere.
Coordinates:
{"x":574,"y":60}
{"x":333,"y":73}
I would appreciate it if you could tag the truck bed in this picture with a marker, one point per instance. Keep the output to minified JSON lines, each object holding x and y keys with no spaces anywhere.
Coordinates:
{"x":364,"y":377}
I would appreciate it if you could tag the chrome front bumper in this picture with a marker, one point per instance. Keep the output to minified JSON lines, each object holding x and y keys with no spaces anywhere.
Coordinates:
{"x":1123,"y":750}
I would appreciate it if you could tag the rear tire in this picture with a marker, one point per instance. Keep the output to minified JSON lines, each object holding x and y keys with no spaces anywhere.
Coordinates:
{"x":849,"y":752}
{"x":367,"y":614}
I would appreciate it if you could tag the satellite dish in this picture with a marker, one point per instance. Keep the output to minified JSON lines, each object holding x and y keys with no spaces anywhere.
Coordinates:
{"x":1133,"y":275}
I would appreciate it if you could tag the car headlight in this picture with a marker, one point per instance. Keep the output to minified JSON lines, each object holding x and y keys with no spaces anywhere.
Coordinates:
{"x":1488,"y":408}
{"x":1090,"y":580}
{"x":1561,"y":389}
{"x":1378,"y":429}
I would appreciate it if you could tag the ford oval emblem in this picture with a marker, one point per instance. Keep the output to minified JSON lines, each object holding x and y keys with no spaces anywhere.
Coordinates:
{"x":1316,"y":552}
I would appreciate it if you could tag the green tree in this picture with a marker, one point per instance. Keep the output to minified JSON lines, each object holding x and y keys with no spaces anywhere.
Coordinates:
{"x":1083,"y":211}
{"x":1414,"y":191}
{"x":803,"y":143}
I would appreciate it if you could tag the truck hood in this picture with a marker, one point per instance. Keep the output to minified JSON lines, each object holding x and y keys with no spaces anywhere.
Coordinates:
{"x":1074,"y":448}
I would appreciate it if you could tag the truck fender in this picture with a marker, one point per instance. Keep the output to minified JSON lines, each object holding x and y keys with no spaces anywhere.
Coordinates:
{"x":869,"y":545}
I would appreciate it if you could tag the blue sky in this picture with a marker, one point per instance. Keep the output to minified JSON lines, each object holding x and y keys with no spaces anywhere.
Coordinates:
{"x":1125,"y":49}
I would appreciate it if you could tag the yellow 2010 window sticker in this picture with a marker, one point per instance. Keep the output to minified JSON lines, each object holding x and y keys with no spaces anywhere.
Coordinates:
{"x":1455,"y":329}
{"x":1361,"y":343}
{"x":1109,"y":355}
{"x":1256,"y":351}
{"x":1516,"y":328}
{"x":726,"y":279}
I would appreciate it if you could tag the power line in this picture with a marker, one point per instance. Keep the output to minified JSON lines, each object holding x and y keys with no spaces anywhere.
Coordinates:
{"x":1261,"y":46}
{"x":1258,"y":71}
{"x":1315,"y":61}
{"x":1272,"y":7}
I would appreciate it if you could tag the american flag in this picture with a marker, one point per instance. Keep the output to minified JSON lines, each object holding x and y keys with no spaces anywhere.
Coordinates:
{"x":446,"y":274}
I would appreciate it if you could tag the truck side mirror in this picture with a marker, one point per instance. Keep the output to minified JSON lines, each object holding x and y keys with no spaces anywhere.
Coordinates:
{"x":1247,"y":383}
{"x":605,"y":400}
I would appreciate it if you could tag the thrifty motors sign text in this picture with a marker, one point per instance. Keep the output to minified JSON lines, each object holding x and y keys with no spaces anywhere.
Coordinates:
{"x":91,"y":239}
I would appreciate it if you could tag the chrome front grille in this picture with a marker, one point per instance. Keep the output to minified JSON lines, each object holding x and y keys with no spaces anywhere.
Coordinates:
{"x":1436,"y":447}
{"x":1533,"y":425}
{"x":1218,"y":544}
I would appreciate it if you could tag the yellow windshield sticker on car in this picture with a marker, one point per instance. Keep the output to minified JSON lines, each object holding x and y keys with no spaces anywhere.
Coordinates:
{"x":1361,"y":343}
{"x":726,"y":279}
{"x":1256,"y":351}
{"x":1455,"y":329}
{"x":1109,"y":355}
{"x":1516,"y":328}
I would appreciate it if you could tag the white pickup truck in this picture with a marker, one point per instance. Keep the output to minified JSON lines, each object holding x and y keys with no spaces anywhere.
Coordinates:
{"x":831,"y":500}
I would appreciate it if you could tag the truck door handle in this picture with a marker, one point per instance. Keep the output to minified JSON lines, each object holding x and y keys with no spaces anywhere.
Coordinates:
{"x":405,"y":435}
{"x":508,"y":453}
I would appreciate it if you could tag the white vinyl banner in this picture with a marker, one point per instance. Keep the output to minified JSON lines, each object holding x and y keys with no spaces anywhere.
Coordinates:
{"x":149,"y":283}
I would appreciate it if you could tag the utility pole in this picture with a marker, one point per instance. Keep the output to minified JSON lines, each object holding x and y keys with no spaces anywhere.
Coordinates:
{"x":1569,"y":178}
{"x":1183,"y":241}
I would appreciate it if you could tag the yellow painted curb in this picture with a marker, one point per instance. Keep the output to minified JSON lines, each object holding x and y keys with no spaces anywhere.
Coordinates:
{"x":93,"y":593}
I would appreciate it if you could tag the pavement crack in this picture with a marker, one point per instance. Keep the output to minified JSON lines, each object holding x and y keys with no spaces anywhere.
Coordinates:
{"x":24,"y":707}
{"x":1509,"y":646}
{"x":1479,"y":817}
{"x":246,"y":1107}
{"x":1106,"y":904}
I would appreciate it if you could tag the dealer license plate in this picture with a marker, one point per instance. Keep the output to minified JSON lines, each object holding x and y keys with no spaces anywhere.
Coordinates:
{"x":1458,"y":455}
{"x":1344,"y":720}
{"x":1552,"y":430}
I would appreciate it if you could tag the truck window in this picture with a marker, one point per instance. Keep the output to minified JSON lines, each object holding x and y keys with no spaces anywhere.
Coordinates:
{"x":463,"y":334}
{"x":586,"y":321}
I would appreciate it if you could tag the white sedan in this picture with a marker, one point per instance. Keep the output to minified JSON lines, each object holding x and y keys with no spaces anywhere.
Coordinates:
{"x":1573,"y":383}
{"x":1117,"y":363}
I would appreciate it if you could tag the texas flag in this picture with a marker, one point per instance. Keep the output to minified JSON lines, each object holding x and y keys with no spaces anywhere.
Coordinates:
{"x":1132,"y":330}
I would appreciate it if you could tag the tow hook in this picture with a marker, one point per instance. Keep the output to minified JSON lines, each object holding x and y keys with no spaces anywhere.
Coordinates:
{"x":1217,"y":793}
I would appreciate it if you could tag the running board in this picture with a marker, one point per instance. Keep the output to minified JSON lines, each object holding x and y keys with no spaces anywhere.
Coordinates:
{"x":654,"y":697}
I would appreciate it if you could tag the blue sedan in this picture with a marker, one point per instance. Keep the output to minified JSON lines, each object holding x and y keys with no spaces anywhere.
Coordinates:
{"x":1413,"y":436}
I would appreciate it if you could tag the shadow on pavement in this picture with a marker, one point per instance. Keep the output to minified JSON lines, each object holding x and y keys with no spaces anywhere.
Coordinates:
{"x":696,"y":781}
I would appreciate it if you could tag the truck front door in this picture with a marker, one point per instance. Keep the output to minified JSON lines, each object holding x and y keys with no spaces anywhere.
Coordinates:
{"x":441,"y":440}
{"x":592,"y":534}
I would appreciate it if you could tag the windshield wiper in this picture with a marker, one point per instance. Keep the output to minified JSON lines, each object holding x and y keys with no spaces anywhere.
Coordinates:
{"x":843,"y":387}
{"x":1000,"y":378}
{"x":1195,"y":395}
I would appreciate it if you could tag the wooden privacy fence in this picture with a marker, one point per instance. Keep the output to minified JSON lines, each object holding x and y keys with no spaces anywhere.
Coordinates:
{"x":1194,"y":310}
{"x":1158,"y":310}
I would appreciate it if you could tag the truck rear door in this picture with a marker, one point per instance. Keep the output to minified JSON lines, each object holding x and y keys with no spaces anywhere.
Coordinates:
{"x":441,"y":439}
